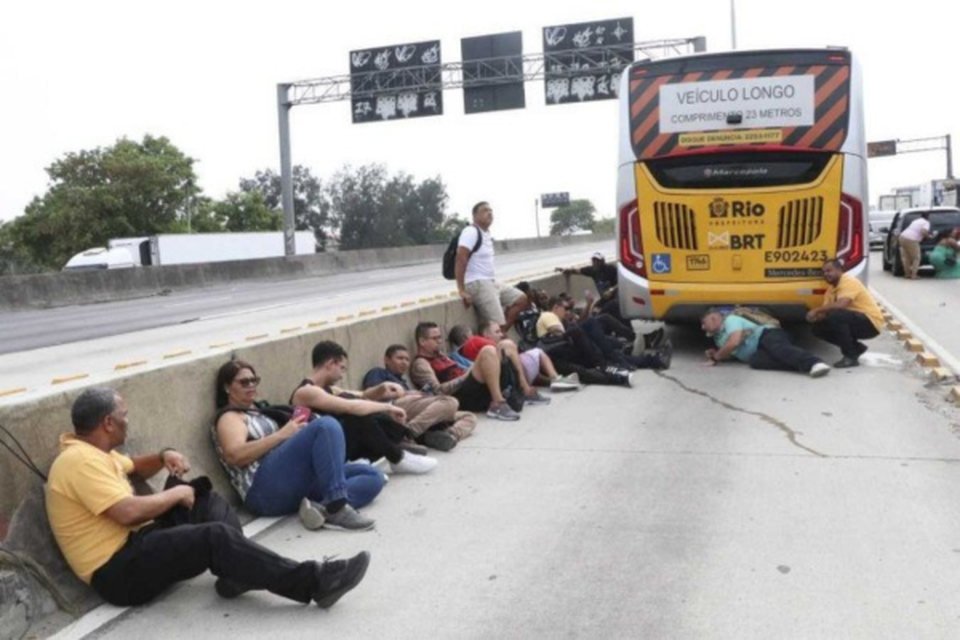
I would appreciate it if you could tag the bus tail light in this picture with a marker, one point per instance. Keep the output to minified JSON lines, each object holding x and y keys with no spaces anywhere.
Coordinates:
{"x":850,"y":236}
{"x":631,"y":244}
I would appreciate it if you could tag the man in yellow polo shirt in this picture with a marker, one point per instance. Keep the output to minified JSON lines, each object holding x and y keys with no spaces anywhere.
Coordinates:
{"x":120,"y":544}
{"x":848,"y":315}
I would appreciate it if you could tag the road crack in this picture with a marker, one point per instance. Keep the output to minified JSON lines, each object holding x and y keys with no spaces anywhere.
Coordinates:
{"x":777,"y":424}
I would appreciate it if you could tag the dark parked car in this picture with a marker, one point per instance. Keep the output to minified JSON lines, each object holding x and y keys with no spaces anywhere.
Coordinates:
{"x":940,"y":218}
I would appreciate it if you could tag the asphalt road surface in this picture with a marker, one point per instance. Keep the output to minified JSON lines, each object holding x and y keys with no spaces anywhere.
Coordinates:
{"x":38,"y":346}
{"x":705,"y":502}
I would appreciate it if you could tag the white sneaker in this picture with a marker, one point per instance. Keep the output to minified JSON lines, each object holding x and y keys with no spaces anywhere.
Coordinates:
{"x":819,"y":370}
{"x":414,"y":464}
{"x":566,"y":383}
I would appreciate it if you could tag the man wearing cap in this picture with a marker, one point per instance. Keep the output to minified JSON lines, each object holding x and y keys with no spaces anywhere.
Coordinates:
{"x":476,"y":284}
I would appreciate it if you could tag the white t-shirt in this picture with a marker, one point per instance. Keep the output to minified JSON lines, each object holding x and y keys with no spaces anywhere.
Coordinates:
{"x":916,"y":231}
{"x":480,"y":265}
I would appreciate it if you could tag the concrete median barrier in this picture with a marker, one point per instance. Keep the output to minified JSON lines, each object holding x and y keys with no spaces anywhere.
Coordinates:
{"x":83,"y":287}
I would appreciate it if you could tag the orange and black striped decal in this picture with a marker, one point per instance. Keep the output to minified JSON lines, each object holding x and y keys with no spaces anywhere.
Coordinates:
{"x":831,"y":116}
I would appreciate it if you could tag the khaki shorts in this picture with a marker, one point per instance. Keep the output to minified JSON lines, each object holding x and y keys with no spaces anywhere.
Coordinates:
{"x":490,"y":297}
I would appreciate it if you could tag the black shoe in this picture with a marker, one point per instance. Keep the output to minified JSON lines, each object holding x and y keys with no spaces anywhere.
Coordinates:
{"x":846,"y":363}
{"x":861,"y":349}
{"x":439,"y":440}
{"x":336,"y":577}
{"x":413,"y":447}
{"x":665,"y":355}
{"x":654,"y":339}
{"x":229,"y":589}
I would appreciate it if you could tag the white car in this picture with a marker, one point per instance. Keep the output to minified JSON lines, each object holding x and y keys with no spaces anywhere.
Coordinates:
{"x":879,"y":226}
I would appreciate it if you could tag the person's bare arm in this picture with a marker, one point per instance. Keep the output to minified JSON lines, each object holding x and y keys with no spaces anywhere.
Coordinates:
{"x":238,"y":451}
{"x":147,"y":466}
{"x":319,"y":400}
{"x":134,"y":510}
{"x":726,"y":351}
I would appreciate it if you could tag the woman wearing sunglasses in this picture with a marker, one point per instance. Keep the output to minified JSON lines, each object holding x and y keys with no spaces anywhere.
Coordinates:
{"x":297,"y":466}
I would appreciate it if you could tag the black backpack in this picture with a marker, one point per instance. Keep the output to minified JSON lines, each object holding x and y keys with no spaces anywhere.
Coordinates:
{"x":450,"y":255}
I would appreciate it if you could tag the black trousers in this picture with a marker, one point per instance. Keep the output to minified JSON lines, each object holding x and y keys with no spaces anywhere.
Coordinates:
{"x":162,"y":554}
{"x":777,"y":352}
{"x":845,"y":328}
{"x":372,"y":437}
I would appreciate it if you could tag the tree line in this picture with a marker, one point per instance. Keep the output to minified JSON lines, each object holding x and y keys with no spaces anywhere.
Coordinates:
{"x":149,"y":187}
{"x":133,"y":189}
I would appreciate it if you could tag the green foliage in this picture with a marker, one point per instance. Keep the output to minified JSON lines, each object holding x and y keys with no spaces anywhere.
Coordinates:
{"x":370,"y":209}
{"x":246,"y":211}
{"x":576,"y":216}
{"x":129,"y":189}
{"x":311,"y":207}
{"x":605,"y":225}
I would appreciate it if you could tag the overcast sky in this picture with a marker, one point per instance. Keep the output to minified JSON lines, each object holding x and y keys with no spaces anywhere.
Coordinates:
{"x":78,"y":75}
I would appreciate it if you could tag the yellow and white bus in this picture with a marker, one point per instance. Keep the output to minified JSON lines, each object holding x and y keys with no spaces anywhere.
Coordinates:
{"x":739,"y":175}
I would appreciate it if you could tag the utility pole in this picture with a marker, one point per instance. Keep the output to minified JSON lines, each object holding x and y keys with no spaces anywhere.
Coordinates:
{"x":733,"y":25}
{"x":536,"y":214}
{"x":949,"y":159}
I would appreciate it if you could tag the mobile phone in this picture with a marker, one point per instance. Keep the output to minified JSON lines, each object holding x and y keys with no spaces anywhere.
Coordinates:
{"x":301,"y":413}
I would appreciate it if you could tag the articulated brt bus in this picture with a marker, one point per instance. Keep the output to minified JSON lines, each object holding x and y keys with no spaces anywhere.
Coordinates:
{"x":740,"y":174}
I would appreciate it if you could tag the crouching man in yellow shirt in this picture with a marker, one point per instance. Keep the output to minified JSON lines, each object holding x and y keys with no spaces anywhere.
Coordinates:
{"x":848,"y":315}
{"x":111,"y":541}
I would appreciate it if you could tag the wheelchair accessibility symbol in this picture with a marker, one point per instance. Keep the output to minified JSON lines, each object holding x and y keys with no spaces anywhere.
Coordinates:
{"x":661,"y":263}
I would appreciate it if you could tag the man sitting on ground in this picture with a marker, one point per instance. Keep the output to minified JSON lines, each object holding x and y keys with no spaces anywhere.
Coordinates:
{"x":365,"y":435}
{"x":848,"y":315}
{"x":477,"y":388}
{"x":762,"y":347}
{"x":127,"y":548}
{"x":434,"y":420}
{"x":466,"y":345}
{"x":588,"y":337}
{"x":534,"y":363}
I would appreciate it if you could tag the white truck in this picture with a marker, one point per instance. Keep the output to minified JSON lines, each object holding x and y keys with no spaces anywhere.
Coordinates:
{"x":192,"y":248}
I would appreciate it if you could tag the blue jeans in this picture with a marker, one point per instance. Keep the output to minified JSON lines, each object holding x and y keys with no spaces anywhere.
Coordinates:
{"x":311,"y":464}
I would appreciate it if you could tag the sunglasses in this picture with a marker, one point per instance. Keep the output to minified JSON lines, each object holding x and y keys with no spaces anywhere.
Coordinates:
{"x":247,"y":383}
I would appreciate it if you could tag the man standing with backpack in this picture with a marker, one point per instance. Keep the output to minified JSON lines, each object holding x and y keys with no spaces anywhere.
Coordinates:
{"x":474,"y":274}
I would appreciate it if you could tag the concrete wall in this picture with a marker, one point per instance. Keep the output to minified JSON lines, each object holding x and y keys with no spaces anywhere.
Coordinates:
{"x":62,"y":289}
{"x":174,"y":405}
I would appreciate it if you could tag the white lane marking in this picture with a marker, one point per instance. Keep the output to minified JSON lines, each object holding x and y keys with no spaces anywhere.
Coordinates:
{"x":932,"y":345}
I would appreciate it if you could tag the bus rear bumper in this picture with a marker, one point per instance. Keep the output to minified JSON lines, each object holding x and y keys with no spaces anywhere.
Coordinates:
{"x":686,"y":302}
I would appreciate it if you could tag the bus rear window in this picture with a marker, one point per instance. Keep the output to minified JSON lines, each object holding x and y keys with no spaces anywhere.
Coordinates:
{"x":746,"y":170}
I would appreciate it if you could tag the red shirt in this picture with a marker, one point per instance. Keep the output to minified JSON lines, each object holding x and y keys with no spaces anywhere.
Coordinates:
{"x":471,"y":348}
{"x":444,"y":368}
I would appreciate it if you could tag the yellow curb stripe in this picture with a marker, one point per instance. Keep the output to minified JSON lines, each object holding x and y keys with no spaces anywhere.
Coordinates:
{"x":129,"y":365}
{"x":12,"y":392}
{"x":913,"y":345}
{"x":942,"y":373}
{"x":346,"y":317}
{"x":220,"y":345}
{"x":389,"y":307}
{"x":77,"y":376}
{"x":368,"y":312}
{"x":926,"y":359}
{"x":290,"y":330}
{"x":408,"y":303}
{"x":321,"y":323}
{"x":177,"y":354}
{"x":259,"y":336}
